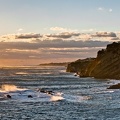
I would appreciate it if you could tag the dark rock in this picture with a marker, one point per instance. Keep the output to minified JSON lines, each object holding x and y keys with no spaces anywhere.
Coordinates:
{"x":8,"y":96}
{"x":80,"y":67}
{"x":117,"y":86}
{"x":43,"y":91}
{"x":30,"y":96}
{"x":105,"y":66}
{"x":50,"y":92}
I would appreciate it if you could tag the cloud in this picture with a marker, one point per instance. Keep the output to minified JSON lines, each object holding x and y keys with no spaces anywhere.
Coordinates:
{"x":52,"y":44}
{"x":115,"y":38}
{"x":71,"y":50}
{"x":64,"y":46}
{"x":104,"y":9}
{"x":100,"y":36}
{"x":101,"y":9}
{"x":54,"y":50}
{"x":20,"y":29}
{"x":58,"y":29}
{"x":61,"y":29}
{"x":49,"y":49}
{"x":110,"y":10}
{"x":7,"y":37}
{"x":27,"y":36}
{"x":35,"y":37}
{"x":84,"y":37}
{"x":89,"y":30}
{"x":104,"y":34}
{"x":64,"y":35}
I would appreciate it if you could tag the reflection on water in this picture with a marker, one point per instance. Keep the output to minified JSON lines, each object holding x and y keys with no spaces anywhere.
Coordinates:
{"x":72,"y":98}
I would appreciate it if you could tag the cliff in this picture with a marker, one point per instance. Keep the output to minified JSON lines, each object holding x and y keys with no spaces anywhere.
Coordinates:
{"x":80,"y":66}
{"x":105,"y":65}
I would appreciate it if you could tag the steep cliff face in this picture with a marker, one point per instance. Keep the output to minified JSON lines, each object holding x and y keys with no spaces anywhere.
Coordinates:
{"x":105,"y":65}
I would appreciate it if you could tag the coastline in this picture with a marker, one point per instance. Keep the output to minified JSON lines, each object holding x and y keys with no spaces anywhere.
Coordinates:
{"x":105,"y":66}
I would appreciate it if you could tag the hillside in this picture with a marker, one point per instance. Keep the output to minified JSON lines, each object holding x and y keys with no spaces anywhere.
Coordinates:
{"x":105,"y":65}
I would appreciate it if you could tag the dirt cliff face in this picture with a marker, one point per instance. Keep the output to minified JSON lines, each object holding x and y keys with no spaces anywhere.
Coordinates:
{"x":105,"y":65}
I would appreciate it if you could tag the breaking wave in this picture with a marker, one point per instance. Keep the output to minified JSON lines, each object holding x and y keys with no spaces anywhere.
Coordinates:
{"x":10,"y":88}
{"x":14,"y":93}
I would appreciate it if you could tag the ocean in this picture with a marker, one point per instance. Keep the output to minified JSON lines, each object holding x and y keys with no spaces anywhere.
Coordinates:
{"x":50,"y":93}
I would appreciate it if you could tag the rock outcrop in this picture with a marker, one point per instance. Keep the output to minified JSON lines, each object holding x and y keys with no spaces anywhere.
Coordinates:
{"x":105,"y":65}
{"x":80,"y":66}
{"x":117,"y":86}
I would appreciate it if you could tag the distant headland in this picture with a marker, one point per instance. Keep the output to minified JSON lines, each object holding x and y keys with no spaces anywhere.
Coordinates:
{"x":105,"y":66}
{"x":55,"y":64}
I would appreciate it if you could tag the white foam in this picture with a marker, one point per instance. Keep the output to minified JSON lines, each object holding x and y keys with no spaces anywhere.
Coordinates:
{"x":56,"y":98}
{"x":9,"y":88}
{"x":108,"y":91}
{"x":23,"y":95}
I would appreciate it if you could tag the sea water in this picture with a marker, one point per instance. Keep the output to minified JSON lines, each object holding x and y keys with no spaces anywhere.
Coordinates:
{"x":72,"y":98}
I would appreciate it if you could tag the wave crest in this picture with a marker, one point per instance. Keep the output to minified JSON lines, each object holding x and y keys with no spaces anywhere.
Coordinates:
{"x":9,"y":88}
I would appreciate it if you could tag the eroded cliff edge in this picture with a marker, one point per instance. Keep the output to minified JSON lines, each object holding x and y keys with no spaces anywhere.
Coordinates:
{"x":105,"y":65}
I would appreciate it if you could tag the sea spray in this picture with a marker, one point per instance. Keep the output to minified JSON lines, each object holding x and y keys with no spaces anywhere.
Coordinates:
{"x":9,"y":88}
{"x":56,"y":98}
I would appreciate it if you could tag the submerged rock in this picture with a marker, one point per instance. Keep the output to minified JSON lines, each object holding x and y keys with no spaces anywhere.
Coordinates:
{"x":8,"y":96}
{"x":30,"y":96}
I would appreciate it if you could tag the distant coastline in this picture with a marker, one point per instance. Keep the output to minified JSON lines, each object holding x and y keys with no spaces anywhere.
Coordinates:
{"x":55,"y":64}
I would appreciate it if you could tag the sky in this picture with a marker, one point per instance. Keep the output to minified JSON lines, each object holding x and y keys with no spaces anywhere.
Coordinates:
{"x":43,"y":31}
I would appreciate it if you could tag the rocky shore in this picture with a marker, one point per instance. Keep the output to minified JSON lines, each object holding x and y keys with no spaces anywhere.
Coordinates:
{"x":105,"y":66}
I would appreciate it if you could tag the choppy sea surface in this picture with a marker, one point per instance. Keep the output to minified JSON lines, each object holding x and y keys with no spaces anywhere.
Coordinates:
{"x":72,"y":98}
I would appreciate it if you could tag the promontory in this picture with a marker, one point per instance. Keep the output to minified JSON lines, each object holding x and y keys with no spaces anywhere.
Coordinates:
{"x":105,"y":66}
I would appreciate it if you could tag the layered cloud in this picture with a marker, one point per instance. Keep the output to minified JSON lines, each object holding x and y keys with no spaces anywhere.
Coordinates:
{"x":61,"y":46}
{"x":64,"y":35}
{"x":27,"y":36}
{"x":104,"y":34}
{"x":50,"y":50}
{"x":51,"y":44}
